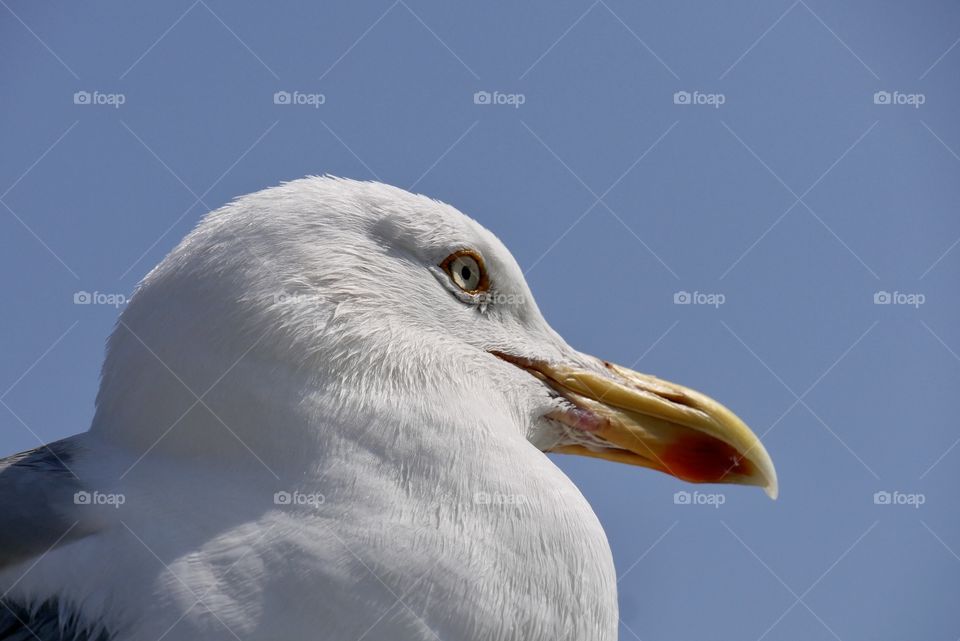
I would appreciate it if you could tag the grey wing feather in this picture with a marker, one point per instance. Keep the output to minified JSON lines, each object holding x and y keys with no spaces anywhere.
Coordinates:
{"x":37,"y":502}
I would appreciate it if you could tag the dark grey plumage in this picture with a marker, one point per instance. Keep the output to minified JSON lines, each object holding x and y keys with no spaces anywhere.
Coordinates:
{"x":48,"y":622}
{"x":37,"y":491}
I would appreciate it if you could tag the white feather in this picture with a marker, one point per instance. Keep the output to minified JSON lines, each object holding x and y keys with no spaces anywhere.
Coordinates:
{"x":299,"y":341}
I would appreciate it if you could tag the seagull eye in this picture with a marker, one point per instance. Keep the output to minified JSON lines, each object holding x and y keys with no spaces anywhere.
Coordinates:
{"x":466,"y":270}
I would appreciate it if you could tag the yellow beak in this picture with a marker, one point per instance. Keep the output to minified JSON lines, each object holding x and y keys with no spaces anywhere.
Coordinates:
{"x":634,"y":418}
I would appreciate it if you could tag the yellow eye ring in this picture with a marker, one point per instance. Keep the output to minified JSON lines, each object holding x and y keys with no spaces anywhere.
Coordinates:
{"x":467,"y":271}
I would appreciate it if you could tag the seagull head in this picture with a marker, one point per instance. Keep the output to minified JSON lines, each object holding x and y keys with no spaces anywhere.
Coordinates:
{"x":374,"y":297}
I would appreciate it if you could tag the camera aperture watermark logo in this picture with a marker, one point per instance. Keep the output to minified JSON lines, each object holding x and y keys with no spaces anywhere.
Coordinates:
{"x":299,"y":98}
{"x":99,"y":499}
{"x":714,"y":300}
{"x":711,"y":499}
{"x":299,"y":499}
{"x":514,"y":100}
{"x":914,"y":300}
{"x":899,"y":98}
{"x":714,"y":100}
{"x":100,"y":99}
{"x":914,"y":500}
{"x":99,"y":298}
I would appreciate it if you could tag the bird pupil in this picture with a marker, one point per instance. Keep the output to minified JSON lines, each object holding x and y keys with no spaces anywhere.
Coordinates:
{"x":465,"y":272}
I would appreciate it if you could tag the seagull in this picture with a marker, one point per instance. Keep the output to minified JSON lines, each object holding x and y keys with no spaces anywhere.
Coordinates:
{"x":326,"y":415}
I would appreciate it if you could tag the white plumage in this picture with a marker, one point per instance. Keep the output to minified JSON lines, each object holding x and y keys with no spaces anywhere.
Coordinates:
{"x":314,"y":433}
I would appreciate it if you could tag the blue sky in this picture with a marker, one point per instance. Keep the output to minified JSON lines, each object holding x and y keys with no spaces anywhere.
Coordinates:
{"x":792,"y":167}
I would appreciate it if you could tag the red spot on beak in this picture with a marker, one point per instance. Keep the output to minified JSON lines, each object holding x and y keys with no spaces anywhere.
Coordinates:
{"x":699,"y":458}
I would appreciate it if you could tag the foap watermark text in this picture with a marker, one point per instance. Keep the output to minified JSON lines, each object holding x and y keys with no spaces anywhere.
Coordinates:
{"x":712,"y":499}
{"x":714,"y":100}
{"x":898,"y":98}
{"x":299,"y":98}
{"x":99,"y":498}
{"x":298,"y":498}
{"x":498,"y":498}
{"x":98,"y":98}
{"x":99,"y":298}
{"x":699,"y":298}
{"x":498,"y":98}
{"x":914,"y":300}
{"x":914,"y":500}
{"x":297,"y":299}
